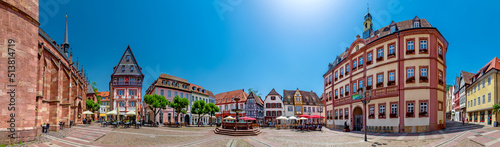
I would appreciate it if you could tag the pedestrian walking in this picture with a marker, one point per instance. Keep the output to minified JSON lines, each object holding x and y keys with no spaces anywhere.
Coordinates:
{"x":463,"y":120}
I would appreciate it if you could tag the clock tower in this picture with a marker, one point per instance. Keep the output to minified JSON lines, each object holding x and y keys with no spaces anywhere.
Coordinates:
{"x":368,"y":25}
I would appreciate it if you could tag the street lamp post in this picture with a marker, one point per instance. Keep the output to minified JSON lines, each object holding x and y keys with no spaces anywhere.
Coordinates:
{"x":365,"y":101}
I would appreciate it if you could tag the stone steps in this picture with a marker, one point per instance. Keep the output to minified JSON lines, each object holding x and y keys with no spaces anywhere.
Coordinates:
{"x":230,"y":132}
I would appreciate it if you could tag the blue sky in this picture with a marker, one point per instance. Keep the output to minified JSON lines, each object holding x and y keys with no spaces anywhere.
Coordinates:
{"x":260,"y":44}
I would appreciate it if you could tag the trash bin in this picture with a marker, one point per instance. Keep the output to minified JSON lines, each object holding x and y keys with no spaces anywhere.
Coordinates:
{"x":495,"y":124}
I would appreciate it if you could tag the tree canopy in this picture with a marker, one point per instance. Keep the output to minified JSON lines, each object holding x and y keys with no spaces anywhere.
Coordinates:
{"x":92,"y":106}
{"x":156,"y":103}
{"x":201,"y":108}
{"x":178,"y":105}
{"x":256,"y":92}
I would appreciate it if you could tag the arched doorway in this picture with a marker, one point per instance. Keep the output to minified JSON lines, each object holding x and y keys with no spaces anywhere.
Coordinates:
{"x":161,"y":117}
{"x":358,"y":119}
{"x":187,"y":119}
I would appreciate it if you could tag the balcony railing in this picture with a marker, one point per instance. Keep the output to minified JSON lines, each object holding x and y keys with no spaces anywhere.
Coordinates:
{"x":125,"y":83}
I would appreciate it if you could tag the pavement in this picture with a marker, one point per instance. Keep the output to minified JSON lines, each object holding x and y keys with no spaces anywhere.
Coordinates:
{"x":455,"y":134}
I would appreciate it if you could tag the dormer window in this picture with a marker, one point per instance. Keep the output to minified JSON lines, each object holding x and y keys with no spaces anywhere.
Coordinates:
{"x":131,"y":68}
{"x":416,"y":24}
{"x":123,"y":68}
{"x":393,"y":29}
{"x":128,"y":57}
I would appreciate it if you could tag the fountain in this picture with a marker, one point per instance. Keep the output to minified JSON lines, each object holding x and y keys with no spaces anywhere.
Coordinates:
{"x":237,"y":128}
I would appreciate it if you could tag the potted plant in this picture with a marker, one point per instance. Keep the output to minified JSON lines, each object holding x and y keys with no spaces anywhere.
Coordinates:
{"x":346,"y":127}
{"x":380,"y":58}
{"x":346,"y":93}
{"x":369,"y":62}
{"x":441,"y":82}
{"x":393,"y":115}
{"x":368,"y":87}
{"x":360,"y":66}
{"x":409,"y":114}
{"x":410,"y":52}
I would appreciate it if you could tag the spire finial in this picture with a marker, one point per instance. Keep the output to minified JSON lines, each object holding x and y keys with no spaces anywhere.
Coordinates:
{"x":367,"y":7}
{"x":66,"y":31}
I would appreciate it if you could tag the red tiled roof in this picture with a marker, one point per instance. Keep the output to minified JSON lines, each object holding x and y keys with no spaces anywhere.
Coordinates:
{"x":210,"y":93}
{"x":105,"y":93}
{"x":493,"y":64}
{"x":227,"y":97}
{"x":258,"y":100}
{"x":196,"y":89}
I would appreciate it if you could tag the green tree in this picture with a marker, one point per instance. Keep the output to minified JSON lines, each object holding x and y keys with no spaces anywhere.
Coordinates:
{"x":156,"y":103}
{"x":213,"y":109}
{"x":256,"y":92}
{"x":201,"y":108}
{"x":96,"y":91}
{"x":92,"y":106}
{"x":496,"y":108}
{"x":178,"y":105}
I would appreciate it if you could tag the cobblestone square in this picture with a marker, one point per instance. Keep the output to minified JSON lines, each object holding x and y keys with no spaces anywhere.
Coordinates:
{"x":95,"y":135}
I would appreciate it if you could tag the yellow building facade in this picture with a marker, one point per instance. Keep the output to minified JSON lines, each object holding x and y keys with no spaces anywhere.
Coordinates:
{"x":482,"y":94}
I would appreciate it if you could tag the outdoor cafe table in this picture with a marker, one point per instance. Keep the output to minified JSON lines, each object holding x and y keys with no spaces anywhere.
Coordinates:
{"x":61,"y":125}
{"x":137,"y":125}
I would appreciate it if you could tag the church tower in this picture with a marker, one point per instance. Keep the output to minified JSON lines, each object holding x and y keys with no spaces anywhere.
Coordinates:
{"x":368,"y":24}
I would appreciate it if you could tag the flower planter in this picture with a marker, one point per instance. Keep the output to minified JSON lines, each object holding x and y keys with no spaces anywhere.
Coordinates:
{"x":391,"y":55}
{"x":391,"y":83}
{"x":381,"y":115}
{"x":410,"y":80}
{"x":380,"y":84}
{"x":368,"y":62}
{"x":423,"y":79}
{"x":393,"y":115}
{"x":380,"y":58}
{"x":423,"y":51}
{"x":410,"y":52}
{"x":368,"y":87}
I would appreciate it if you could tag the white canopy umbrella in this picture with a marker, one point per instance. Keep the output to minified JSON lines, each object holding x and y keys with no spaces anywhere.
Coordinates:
{"x":302,"y":118}
{"x":282,"y":118}
{"x":87,"y":112}
{"x":111,"y":112}
{"x":292,"y":118}
{"x":230,"y":118}
{"x":130,"y":113}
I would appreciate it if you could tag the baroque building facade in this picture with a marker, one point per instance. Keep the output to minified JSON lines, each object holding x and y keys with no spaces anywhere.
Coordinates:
{"x":299,"y":102}
{"x":42,"y":84}
{"x":169,"y":86}
{"x":404,"y":65}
